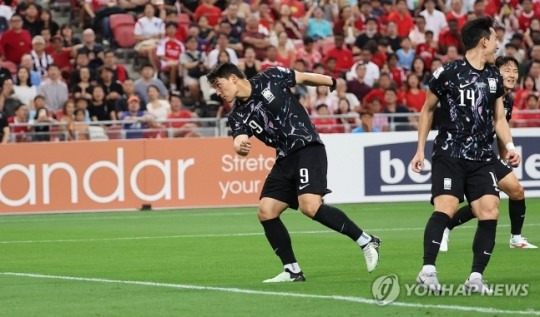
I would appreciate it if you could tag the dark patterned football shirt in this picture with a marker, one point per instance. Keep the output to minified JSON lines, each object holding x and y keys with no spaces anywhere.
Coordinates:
{"x":467,"y":98}
{"x":508,"y":105}
{"x":273,"y":114}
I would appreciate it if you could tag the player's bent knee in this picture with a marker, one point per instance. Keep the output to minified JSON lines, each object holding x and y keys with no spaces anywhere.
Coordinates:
{"x":446,"y":204}
{"x":310,"y":209}
{"x":517,"y":193}
{"x":267,"y":214}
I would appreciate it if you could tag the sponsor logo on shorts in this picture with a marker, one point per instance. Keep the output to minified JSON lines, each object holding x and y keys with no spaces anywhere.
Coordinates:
{"x":447,"y":184}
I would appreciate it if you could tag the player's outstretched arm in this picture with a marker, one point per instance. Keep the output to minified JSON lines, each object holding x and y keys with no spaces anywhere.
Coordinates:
{"x":312,"y":79}
{"x":424,"y":125}
{"x":502,"y":129}
{"x":241,"y":144}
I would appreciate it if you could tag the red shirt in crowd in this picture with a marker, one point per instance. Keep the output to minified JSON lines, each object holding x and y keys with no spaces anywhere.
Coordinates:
{"x":427,"y":53}
{"x":97,"y":4}
{"x":404,"y":23}
{"x":343,"y":56}
{"x":375,"y":93}
{"x":379,"y":59}
{"x":213,"y":14}
{"x":62,"y":58}
{"x":182,"y":114}
{"x":171,"y":49}
{"x":446,"y":38}
{"x":398,"y":75}
{"x":120,"y":73}
{"x":14,"y":45}
{"x":524,"y":20}
{"x":415,"y":101}
{"x":461,"y":18}
{"x":267,"y":64}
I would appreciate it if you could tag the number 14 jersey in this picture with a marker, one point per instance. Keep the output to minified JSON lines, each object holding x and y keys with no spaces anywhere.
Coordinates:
{"x":467,"y":97}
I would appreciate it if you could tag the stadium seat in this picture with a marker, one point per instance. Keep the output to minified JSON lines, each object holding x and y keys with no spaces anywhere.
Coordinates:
{"x":184,"y":21}
{"x":122,"y":26}
{"x":116,"y":20}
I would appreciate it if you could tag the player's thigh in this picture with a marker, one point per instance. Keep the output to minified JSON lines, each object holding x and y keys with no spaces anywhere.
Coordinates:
{"x":279,"y":185}
{"x":447,"y":204}
{"x":270,"y":208}
{"x":512,"y":187}
{"x":486,"y":207}
{"x":447,"y":184}
{"x":482,"y":190}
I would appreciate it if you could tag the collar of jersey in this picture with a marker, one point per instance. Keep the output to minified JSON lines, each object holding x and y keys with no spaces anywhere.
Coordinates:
{"x":471,"y":66}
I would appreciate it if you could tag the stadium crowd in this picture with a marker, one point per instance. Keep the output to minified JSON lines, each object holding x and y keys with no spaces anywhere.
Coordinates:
{"x":382,"y":51}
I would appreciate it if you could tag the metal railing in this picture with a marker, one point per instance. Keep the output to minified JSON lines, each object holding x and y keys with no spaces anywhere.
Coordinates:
{"x":214,"y":127}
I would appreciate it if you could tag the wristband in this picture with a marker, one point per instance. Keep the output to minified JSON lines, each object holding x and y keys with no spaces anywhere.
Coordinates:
{"x":334,"y":84}
{"x":510,"y":146}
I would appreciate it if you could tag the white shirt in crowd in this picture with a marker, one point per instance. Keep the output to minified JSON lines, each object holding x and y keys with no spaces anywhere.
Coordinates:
{"x":25,"y":94}
{"x":372,"y":73}
{"x":213,"y":56}
{"x":436,"y":21}
{"x":160,"y":113}
{"x":149,"y":27}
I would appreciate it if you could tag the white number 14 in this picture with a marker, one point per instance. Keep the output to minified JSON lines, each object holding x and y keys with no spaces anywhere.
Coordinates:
{"x":469,"y":93}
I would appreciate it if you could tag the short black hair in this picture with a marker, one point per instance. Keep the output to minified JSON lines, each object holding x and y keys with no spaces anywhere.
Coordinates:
{"x":475,"y":30}
{"x":175,"y":95}
{"x":224,"y":70}
{"x":53,"y":65}
{"x":169,"y":24}
{"x":503,"y":60}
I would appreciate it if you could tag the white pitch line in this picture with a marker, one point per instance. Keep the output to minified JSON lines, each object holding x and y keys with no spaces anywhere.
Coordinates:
{"x":223,"y":235}
{"x":149,"y":215}
{"x":361,"y":300}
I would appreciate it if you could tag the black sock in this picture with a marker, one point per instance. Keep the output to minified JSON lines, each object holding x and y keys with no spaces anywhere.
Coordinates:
{"x":279,"y":239}
{"x":433,"y":236}
{"x":337,"y":220}
{"x":517,"y":215}
{"x":463,"y":215}
{"x":483,"y":244}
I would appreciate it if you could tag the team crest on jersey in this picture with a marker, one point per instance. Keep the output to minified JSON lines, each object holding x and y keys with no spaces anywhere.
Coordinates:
{"x":268,"y":95}
{"x":492,"y":84}
{"x":438,"y":72}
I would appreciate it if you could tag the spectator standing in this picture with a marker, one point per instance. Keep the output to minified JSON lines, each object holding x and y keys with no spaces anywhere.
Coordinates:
{"x":435,"y":19}
{"x":16,"y":41}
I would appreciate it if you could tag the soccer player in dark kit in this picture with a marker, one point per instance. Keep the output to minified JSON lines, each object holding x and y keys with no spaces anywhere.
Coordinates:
{"x":265,"y":107}
{"x":508,"y":181}
{"x":470,"y":91}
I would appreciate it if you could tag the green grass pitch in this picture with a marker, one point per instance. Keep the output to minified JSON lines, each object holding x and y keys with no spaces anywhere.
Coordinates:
{"x":211,"y":262}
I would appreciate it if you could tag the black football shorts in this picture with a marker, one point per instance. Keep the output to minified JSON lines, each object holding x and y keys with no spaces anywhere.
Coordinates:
{"x":300,"y":172}
{"x":457,"y":177}
{"x":501,"y":168}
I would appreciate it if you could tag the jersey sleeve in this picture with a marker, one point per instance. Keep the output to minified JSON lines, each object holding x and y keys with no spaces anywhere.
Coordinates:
{"x":286,"y":75}
{"x":500,"y":85}
{"x":436,"y":81}
{"x":237,"y":126}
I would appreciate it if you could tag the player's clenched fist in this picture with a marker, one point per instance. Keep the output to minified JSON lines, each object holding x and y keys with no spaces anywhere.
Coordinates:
{"x":418,"y":162}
